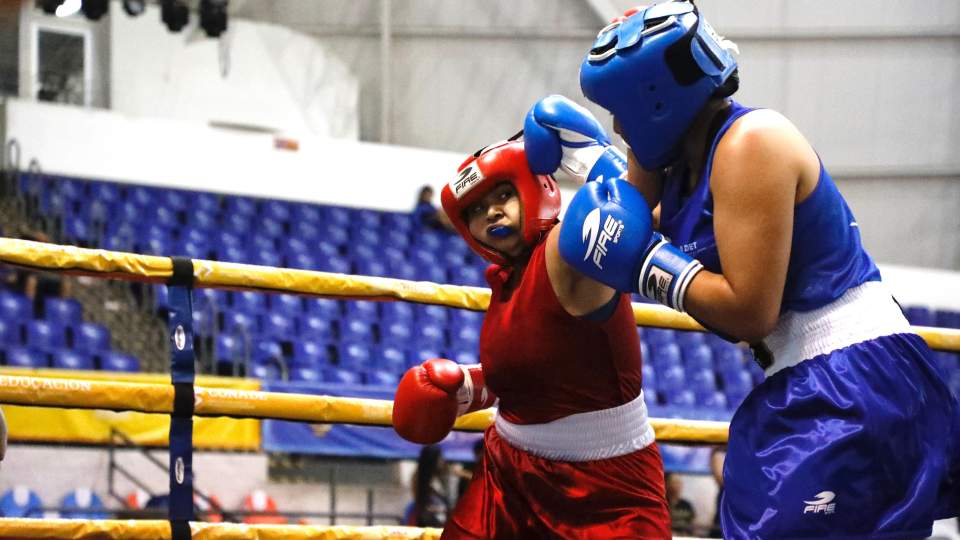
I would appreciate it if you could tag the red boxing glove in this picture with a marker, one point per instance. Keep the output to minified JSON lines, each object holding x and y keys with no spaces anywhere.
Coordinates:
{"x":432,"y":395}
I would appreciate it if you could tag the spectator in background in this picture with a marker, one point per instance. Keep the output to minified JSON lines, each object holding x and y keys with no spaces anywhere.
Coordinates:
{"x":465,"y":474}
{"x":717,"y":455}
{"x":428,"y":215}
{"x":38,"y":286}
{"x":430,"y":504}
{"x":681,"y":511}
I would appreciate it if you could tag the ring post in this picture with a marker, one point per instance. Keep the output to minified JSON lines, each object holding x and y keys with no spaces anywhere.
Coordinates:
{"x":182,"y":375}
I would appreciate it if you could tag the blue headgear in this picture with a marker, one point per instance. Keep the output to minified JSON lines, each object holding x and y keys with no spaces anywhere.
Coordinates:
{"x":654,"y":71}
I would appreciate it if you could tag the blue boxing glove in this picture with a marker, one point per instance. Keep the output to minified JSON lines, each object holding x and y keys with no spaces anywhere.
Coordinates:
{"x":560,"y":135}
{"x":607,"y":236}
{"x":605,"y":233}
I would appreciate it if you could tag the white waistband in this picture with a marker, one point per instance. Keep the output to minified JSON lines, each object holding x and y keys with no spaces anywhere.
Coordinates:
{"x":585,"y":436}
{"x":863,"y":313}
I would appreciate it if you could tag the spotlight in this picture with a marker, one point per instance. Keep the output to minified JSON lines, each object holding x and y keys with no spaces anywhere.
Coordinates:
{"x":213,"y":17}
{"x":68,"y":8}
{"x":174,"y":14}
{"x":134,"y":7}
{"x":94,"y":9}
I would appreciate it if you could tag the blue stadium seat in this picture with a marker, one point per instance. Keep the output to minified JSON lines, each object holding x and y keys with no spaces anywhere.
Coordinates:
{"x":467,"y":275}
{"x":337,"y":215}
{"x":191,"y":234}
{"x":249,"y":301}
{"x":425,"y":257}
{"x":156,"y":246}
{"x":466,"y":357}
{"x":74,"y":189}
{"x":713,"y":400}
{"x":739,"y":381}
{"x":304,"y":212}
{"x":305,"y":230}
{"x":324,"y":307}
{"x":224,"y":238}
{"x":203,"y":221}
{"x":117,"y":361}
{"x":302,"y":261}
{"x":649,"y":377}
{"x":240,"y":205}
{"x":194,"y":250}
{"x":393,"y":358}
{"x":701,"y":381}
{"x":368,"y":219}
{"x":671,"y":379}
{"x":354,"y":355}
{"x":363,"y":310}
{"x":204,"y":299}
{"x":76,"y":230}
{"x":21,"y":502}
{"x":241,"y":323}
{"x":63,"y":311}
{"x":429,"y":240}
{"x":373,"y":268}
{"x":44,"y":335}
{"x":665,"y":355}
{"x":466,"y":335}
{"x":239,"y":224}
{"x":433,"y":273}
{"x":403,"y":270}
{"x":266,"y":351}
{"x":69,"y":359}
{"x":397,"y":332}
{"x":341,"y":376}
{"x":727,"y":357}
{"x":228,"y":349}
{"x":265,"y":372}
{"x":379,"y":377}
{"x":276,"y":210}
{"x":289,"y":305}
{"x":680,"y":398}
{"x":266,"y":257}
{"x":369,"y":237}
{"x":279,"y":326}
{"x":118,"y":242}
{"x":142,"y":195}
{"x":355,"y":330}
{"x":397,"y":222}
{"x":658,"y":336}
{"x":10,"y":333}
{"x":324,"y":248}
{"x":947,"y":319}
{"x":234,"y":254}
{"x":364,"y":252}
{"x":306,"y":374}
{"x":311,"y":353}
{"x":398,"y":311}
{"x":91,"y":337}
{"x":176,"y":199}
{"x":465,"y":316}
{"x":434,"y":314}
{"x":396,"y":238}
{"x":337,"y":265}
{"x":698,"y":356}
{"x":689,"y":338}
{"x":735,"y":398}
{"x":294,"y":244}
{"x":393,"y":254}
{"x":208,"y":203}
{"x":271,"y":227}
{"x":335,"y":233}
{"x":104,"y":191}
{"x":454,"y":242}
{"x":26,"y":358}
{"x":430,"y":335}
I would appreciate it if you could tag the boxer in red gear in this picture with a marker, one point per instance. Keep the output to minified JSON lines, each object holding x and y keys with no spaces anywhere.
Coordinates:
{"x":571,"y":454}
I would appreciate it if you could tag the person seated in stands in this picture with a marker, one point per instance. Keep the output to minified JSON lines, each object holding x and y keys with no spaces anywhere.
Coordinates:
{"x":427,"y":215}
{"x":430,"y":504}
{"x":682,"y":513}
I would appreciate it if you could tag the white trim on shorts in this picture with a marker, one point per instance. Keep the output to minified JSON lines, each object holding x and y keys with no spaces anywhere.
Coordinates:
{"x":865,"y":312}
{"x":588,"y":436}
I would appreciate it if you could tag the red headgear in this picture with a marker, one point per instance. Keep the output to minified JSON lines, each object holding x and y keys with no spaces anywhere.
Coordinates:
{"x":480,"y":173}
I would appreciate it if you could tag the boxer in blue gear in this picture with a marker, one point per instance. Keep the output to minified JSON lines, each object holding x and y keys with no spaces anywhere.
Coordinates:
{"x":854,"y":433}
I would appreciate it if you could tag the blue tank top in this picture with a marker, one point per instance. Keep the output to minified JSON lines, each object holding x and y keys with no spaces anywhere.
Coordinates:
{"x":826,"y":257}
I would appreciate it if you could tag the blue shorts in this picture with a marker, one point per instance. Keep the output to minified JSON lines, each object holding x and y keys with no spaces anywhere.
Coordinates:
{"x":856,"y":443}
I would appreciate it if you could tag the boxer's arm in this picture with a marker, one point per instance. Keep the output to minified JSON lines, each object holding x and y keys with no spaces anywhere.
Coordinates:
{"x":754,"y":183}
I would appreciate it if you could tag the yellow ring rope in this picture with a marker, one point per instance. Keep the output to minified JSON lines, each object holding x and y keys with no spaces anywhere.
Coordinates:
{"x":130,"y":266}
{"x":115,"y":529}
{"x":158,"y":398}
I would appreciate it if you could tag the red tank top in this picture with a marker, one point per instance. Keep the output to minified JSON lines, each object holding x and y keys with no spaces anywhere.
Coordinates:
{"x":544,"y":363}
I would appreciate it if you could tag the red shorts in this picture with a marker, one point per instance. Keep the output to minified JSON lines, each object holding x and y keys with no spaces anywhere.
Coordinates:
{"x":517,"y":495}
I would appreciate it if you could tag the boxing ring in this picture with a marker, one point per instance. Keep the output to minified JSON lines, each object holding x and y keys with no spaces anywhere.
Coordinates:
{"x":182,"y":400}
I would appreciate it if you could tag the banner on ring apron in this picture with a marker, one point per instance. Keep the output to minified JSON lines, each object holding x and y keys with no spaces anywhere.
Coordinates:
{"x":44,"y":424}
{"x":351,"y":441}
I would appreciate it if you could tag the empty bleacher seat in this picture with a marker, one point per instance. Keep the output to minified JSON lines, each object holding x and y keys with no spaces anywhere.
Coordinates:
{"x":21,"y":502}
{"x":466,"y":357}
{"x":279,"y":326}
{"x":713,"y":400}
{"x":356,"y":330}
{"x":363,"y":310}
{"x":671,"y":379}
{"x":239,"y":205}
{"x":430,"y":335}
{"x":44,"y":335}
{"x":433,"y":314}
{"x":402,"y":311}
{"x":680,"y":397}
{"x":380,"y":377}
{"x":82,"y":503}
{"x":393,"y":358}
{"x":241,"y":323}
{"x":26,"y":358}
{"x":276,"y":210}
{"x":91,"y":337}
{"x":396,"y":332}
{"x":117,"y":361}
{"x":664,"y":355}
{"x":305,"y":374}
{"x":335,"y":234}
{"x":698,"y":356}
{"x":15,"y":307}
{"x":341,"y":376}
{"x":249,"y":301}
{"x":318,"y":327}
{"x":354,"y":355}
{"x":304,"y":212}
{"x":69,"y":359}
{"x":335,"y":264}
{"x":302,"y":261}
{"x":324,"y":307}
{"x":266,"y":372}
{"x":311,"y":353}
{"x":266,"y":351}
{"x":10,"y":333}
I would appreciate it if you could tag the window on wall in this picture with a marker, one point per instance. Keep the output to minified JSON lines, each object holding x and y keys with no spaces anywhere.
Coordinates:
{"x":62,"y":73}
